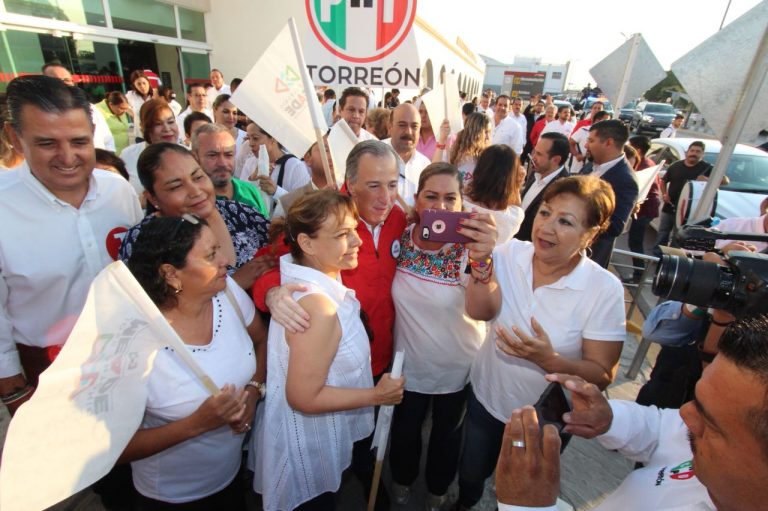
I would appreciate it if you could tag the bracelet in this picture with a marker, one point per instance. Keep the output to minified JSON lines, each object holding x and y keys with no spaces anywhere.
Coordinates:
{"x":440,"y":146}
{"x":16,"y":395}
{"x":718,"y":323}
{"x":485,"y":275}
{"x":261,"y":387}
{"x":479,"y":265}
{"x":695,"y":311}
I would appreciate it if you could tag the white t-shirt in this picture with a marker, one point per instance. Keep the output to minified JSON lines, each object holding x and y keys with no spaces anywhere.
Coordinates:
{"x":508,"y":221}
{"x":130,"y":157}
{"x":206,"y":463}
{"x":754,"y":225}
{"x":564,"y":128}
{"x":304,"y":455}
{"x":50,"y":252}
{"x":439,"y":339}
{"x":213,"y":94}
{"x":295,"y":175}
{"x":588,"y":303}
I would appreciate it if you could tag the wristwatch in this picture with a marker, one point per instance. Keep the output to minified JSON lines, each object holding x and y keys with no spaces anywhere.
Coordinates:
{"x":260,"y":386}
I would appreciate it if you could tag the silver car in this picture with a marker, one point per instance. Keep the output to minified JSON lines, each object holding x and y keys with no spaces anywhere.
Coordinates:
{"x":747,"y":172}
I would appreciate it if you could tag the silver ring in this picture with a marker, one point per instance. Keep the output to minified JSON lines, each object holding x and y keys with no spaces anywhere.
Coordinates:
{"x":247,"y":426}
{"x":518,"y":443}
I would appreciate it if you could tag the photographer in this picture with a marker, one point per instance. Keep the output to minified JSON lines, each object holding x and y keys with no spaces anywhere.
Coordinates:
{"x":711,"y":454}
{"x":689,"y":337}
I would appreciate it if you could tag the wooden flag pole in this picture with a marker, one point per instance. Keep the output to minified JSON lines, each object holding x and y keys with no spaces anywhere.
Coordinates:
{"x":314,"y":110}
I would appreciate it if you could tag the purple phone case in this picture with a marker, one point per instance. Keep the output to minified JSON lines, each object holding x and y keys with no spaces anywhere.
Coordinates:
{"x":440,"y":225}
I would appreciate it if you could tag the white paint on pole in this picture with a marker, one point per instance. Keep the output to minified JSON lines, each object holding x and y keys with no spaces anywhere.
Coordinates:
{"x":629,"y":71}
{"x":725,"y":78}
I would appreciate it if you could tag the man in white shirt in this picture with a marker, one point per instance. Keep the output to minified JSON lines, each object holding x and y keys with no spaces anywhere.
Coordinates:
{"x":517,"y":114}
{"x":485,"y":106}
{"x":196,"y":102}
{"x":506,"y":130}
{"x":61,"y":223}
{"x":561,"y":124}
{"x":353,"y":108}
{"x":711,"y":454}
{"x":329,"y":106}
{"x":404,"y":127}
{"x":102,"y":136}
{"x":219,"y":87}
{"x":671,"y":130}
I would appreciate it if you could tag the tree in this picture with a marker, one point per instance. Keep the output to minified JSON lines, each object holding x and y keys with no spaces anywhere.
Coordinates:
{"x":663,"y":90}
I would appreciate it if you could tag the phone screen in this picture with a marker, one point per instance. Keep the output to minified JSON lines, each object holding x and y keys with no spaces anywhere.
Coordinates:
{"x":551,"y":406}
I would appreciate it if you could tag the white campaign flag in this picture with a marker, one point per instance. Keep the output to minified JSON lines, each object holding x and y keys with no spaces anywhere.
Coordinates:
{"x":341,"y":140}
{"x":273,"y":95}
{"x":90,"y":401}
{"x":443,"y":102}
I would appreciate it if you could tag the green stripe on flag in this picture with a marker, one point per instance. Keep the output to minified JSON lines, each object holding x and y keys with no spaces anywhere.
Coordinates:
{"x":336,"y":28}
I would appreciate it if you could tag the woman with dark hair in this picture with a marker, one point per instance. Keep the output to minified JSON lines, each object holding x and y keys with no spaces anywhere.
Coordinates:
{"x":287,"y":172}
{"x":321,"y":392}
{"x":225,"y":113}
{"x":466,"y":148}
{"x":495,"y":189}
{"x":180,"y":264}
{"x":175,"y":184}
{"x":139,"y":93}
{"x":169,"y":95}
{"x":439,"y":340}
{"x":159,"y":125}
{"x":117,"y":112}
{"x":109,"y":161}
{"x":553,"y":310}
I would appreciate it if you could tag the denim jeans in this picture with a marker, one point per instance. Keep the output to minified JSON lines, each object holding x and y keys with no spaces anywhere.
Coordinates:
{"x":636,"y":236}
{"x":444,"y":439}
{"x":482,"y":443}
{"x":666,"y":227}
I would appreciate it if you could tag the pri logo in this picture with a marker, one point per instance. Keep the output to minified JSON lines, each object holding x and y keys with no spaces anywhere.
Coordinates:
{"x":361,"y":30}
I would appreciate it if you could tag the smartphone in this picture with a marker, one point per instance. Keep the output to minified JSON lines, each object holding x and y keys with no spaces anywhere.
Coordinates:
{"x":550,"y":409}
{"x":440,"y":225}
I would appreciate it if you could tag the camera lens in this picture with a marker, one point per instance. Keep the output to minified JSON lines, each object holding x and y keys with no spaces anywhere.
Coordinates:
{"x":692,"y":281}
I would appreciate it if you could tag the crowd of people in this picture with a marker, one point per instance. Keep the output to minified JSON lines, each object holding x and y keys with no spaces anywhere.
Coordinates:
{"x":293,"y":296}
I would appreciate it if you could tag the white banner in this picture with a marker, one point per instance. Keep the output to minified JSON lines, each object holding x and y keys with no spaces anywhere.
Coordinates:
{"x":91,"y":401}
{"x":444,"y":103}
{"x":272,"y":94}
{"x":341,"y":140}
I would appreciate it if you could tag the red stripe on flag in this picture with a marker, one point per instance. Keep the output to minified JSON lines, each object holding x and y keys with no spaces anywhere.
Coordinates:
{"x":386,"y":32}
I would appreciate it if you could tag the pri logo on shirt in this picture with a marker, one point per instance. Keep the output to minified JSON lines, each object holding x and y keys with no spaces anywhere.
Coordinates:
{"x":361,"y":30}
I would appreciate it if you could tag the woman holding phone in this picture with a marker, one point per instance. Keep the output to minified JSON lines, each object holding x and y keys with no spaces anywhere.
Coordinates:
{"x":439,"y":340}
{"x":553,"y":310}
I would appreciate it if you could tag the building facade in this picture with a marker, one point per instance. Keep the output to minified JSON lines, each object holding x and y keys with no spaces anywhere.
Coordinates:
{"x":555,"y":75}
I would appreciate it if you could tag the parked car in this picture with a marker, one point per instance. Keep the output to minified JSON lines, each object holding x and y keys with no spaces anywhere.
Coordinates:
{"x":626,"y":112}
{"x":651,"y":117}
{"x":747,"y":171}
{"x":607,"y":106}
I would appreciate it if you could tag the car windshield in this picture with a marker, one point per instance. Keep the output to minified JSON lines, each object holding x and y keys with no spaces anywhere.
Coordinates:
{"x":747,"y":172}
{"x":660,"y":109}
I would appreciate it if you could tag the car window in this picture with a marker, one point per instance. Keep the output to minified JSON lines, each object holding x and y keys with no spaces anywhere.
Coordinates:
{"x":662,"y":152}
{"x":660,"y":109}
{"x":746,"y":172}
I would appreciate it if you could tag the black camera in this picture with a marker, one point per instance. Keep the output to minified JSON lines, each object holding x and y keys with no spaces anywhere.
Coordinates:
{"x":740,"y":287}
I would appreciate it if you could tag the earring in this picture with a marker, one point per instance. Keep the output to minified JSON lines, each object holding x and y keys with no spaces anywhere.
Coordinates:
{"x":177,"y":290}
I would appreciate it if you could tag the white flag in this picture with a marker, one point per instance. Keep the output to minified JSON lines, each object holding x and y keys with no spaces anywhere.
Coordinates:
{"x":443,"y":102}
{"x":341,"y":140}
{"x":90,"y":401}
{"x":273,"y":95}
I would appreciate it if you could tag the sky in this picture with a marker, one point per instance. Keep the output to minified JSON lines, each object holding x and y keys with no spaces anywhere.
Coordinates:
{"x":581,"y":34}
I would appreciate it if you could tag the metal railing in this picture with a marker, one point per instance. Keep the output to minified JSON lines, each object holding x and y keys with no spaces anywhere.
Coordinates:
{"x":636,"y":290}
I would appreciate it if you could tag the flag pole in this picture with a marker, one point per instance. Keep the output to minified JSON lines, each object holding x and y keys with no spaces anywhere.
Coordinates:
{"x":314,"y":109}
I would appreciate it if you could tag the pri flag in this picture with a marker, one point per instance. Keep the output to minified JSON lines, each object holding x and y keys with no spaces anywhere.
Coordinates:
{"x":274,"y":96}
{"x":90,"y":401}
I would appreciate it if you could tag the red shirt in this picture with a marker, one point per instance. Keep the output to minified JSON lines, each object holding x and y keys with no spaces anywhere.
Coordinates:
{"x":371,"y":282}
{"x":537,"y":129}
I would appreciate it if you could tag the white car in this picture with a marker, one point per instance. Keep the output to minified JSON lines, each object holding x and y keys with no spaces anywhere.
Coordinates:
{"x":747,"y":172}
